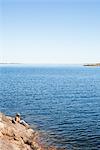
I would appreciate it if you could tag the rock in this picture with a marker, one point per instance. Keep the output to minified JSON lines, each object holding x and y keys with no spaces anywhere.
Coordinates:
{"x":15,"y":136}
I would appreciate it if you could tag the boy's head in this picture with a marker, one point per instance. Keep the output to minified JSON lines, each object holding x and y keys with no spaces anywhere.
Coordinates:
{"x":17,"y":114}
{"x":17,"y":117}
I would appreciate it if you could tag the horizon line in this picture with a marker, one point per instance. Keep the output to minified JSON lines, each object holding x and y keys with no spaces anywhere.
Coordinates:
{"x":19,"y":63}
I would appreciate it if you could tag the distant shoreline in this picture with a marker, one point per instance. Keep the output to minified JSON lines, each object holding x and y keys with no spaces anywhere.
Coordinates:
{"x":92,"y":65}
{"x":86,"y":65}
{"x":9,"y":63}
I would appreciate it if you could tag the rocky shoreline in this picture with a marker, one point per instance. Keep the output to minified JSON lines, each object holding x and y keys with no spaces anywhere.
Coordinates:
{"x":15,"y":136}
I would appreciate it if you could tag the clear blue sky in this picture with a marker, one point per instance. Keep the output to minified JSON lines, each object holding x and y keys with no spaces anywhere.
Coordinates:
{"x":50,"y":31}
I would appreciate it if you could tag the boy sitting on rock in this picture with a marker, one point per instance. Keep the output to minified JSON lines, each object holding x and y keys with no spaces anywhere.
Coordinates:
{"x":18,"y":120}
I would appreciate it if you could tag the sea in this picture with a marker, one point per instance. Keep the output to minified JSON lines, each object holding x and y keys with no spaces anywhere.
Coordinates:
{"x":61,"y":102}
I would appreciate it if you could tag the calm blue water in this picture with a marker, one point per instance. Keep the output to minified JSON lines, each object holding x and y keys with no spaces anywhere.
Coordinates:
{"x":62,"y":102}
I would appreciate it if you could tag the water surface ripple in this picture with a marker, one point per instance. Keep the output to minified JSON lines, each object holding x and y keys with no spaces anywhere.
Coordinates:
{"x":62,"y":102}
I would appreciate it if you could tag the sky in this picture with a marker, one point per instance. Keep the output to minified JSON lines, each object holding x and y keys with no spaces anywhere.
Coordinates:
{"x":50,"y":31}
